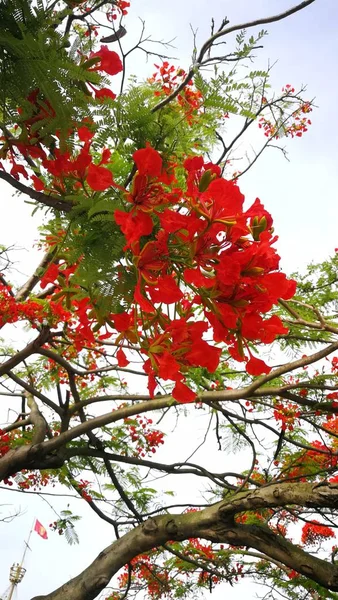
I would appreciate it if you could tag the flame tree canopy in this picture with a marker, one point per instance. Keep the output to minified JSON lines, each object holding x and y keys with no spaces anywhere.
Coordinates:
{"x":157,"y":276}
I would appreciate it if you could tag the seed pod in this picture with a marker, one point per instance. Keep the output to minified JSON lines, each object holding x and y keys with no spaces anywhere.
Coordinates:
{"x":120,"y":33}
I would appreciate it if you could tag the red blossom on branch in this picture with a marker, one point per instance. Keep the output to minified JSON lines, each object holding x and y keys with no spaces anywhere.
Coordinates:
{"x":206,"y":241}
{"x":109,"y":61}
{"x":315,"y":532}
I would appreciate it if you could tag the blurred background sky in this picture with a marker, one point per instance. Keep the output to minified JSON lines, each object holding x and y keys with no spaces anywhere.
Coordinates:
{"x":300,"y":194}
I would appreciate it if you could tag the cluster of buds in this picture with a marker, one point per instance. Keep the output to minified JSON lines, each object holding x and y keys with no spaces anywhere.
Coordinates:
{"x":146,"y":439}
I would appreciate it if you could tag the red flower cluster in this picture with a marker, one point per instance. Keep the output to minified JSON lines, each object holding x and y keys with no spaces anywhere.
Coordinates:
{"x":190,"y":99}
{"x":334,"y":364}
{"x":81,"y":319}
{"x":197,"y":247}
{"x":146,"y":572}
{"x":82,"y":487}
{"x":287,"y":413}
{"x":295,"y":125}
{"x":30,"y":141}
{"x":71,"y":172}
{"x":55,"y":527}
{"x":196,"y":549}
{"x":4,"y":443}
{"x":33,"y":311}
{"x":237,"y":571}
{"x":36,"y":480}
{"x":118,"y":6}
{"x":146,"y":439}
{"x":315,"y":532}
{"x":320,"y":458}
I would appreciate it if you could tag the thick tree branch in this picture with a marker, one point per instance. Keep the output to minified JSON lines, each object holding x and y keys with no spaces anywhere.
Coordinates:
{"x":215,"y":523}
{"x":37,"y":419}
{"x":167,"y":401}
{"x":30,"y":349}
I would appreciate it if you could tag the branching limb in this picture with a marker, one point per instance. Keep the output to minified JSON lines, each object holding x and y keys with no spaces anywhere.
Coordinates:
{"x":220,"y":33}
{"x":215,"y":523}
{"x":196,"y":563}
{"x":38,"y":421}
{"x":322,"y":324}
{"x":17,"y":425}
{"x":29,"y":285}
{"x":30,"y":389}
{"x":52,"y":201}
{"x":30,"y":349}
{"x":174,"y":468}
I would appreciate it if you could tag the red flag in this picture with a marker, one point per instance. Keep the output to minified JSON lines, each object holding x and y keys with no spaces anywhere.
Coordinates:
{"x":40,"y":530}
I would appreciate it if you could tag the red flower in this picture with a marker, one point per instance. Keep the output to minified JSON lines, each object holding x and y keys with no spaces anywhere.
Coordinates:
{"x":148,"y":161}
{"x":38,"y":184}
{"x":125,"y":324}
{"x":142,"y":301}
{"x":314,"y":532}
{"x":168,"y":367}
{"x":183,"y":394}
{"x":18,"y":170}
{"x":166,"y":291}
{"x":85,"y":134}
{"x":195,"y":277}
{"x":256,"y":366}
{"x":193,"y":163}
{"x":104,"y":93}
{"x":152,"y":260}
{"x":255,"y":328}
{"x":110,"y":62}
{"x":99,"y":178}
{"x":222,"y":202}
{"x":292,"y":574}
{"x":278,"y":286}
{"x":122,"y":321}
{"x":50,"y":275}
{"x":122,"y":360}
{"x":260,"y":221}
{"x":187,"y":225}
{"x":204,"y":355}
{"x":133,"y":225}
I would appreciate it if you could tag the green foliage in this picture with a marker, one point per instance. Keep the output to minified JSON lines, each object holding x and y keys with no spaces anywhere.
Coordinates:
{"x":318,"y":287}
{"x":316,"y":301}
{"x":290,"y":584}
{"x":65,"y":525}
{"x":34,"y":56}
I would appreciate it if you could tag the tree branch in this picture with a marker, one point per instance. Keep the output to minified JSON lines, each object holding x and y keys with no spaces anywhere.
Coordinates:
{"x":31,"y":348}
{"x":215,"y":523}
{"x":27,"y":287}
{"x":51,"y":201}
{"x":222,"y":32}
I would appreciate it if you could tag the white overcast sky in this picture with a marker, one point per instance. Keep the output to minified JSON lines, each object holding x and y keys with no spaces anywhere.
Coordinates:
{"x":300,"y":194}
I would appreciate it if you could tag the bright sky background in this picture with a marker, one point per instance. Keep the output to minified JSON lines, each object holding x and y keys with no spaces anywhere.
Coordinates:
{"x":300,"y":194}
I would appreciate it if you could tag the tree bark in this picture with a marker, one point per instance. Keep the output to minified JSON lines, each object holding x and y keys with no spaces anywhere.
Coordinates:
{"x":215,"y":523}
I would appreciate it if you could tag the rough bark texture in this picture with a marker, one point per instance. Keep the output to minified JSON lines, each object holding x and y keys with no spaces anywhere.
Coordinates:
{"x":216,"y":524}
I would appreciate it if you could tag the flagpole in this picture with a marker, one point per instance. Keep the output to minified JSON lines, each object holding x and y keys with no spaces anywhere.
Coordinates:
{"x":17,"y":571}
{"x":26,"y":543}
